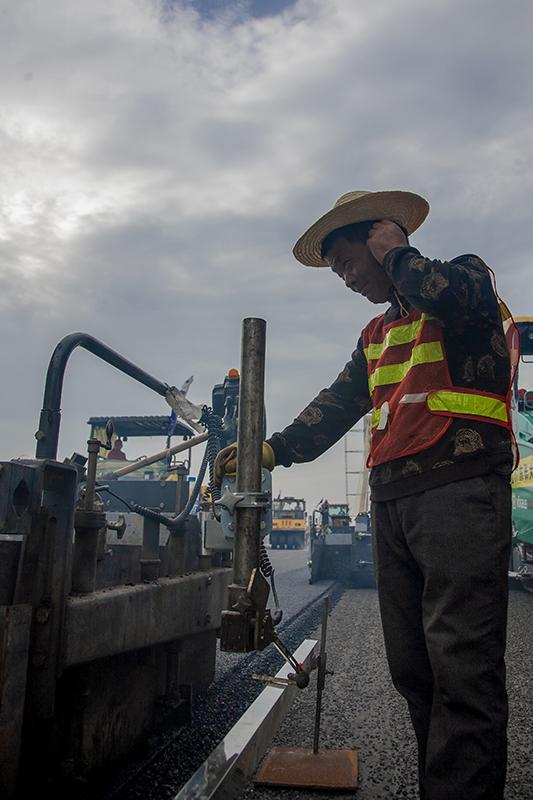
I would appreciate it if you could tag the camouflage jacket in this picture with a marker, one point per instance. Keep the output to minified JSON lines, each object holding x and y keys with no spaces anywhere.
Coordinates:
{"x":460,"y":294}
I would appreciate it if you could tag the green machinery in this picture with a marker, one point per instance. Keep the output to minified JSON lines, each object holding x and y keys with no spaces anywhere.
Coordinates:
{"x":522,"y":479}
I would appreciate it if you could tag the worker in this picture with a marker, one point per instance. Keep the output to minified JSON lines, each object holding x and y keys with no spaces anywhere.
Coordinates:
{"x":117,"y":454}
{"x":435,"y":371}
{"x":323,"y":508}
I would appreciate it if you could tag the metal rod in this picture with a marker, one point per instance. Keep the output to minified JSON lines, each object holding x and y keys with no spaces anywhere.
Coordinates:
{"x":93,"y":450}
{"x":87,"y":524}
{"x":145,"y":462}
{"x":321,"y":676}
{"x":48,"y":434}
{"x":249,"y":449}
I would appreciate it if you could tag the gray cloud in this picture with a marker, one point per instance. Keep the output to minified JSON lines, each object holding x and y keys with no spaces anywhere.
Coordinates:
{"x":158,"y":166}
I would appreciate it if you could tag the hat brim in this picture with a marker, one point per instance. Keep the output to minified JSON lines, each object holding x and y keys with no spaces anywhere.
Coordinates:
{"x":405,"y":208}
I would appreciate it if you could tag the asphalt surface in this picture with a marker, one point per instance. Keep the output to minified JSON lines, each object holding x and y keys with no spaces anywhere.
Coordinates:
{"x":362,"y":710}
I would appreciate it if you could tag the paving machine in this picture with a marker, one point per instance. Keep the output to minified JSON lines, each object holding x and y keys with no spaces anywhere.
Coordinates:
{"x":288,"y":523}
{"x":104,"y":636}
{"x":521,"y":570}
{"x":97,"y":647}
{"x":340,"y":549}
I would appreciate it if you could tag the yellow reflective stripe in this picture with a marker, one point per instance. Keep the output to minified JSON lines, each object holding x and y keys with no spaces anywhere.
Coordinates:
{"x":402,"y":334}
{"x":426,"y":353}
{"x":467,"y":403}
{"x":376,"y":414}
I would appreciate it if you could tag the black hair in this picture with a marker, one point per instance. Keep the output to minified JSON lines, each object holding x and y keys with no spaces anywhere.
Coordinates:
{"x":355,"y":232}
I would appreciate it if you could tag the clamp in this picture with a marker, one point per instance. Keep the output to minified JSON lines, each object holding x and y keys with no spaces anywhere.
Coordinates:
{"x":230,"y":499}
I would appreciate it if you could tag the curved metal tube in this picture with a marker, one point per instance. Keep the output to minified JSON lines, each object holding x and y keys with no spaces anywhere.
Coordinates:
{"x":48,"y":434}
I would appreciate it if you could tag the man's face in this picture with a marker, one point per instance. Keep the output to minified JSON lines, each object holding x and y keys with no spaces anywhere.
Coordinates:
{"x":358,"y":268}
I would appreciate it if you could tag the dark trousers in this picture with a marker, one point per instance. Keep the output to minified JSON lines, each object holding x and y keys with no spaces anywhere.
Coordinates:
{"x":441,"y":561}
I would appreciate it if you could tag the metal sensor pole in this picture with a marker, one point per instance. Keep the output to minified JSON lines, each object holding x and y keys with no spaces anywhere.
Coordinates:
{"x":249,"y":447}
{"x":237,"y":620}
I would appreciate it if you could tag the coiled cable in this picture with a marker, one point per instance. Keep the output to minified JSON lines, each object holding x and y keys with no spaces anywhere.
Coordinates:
{"x":267,"y":570}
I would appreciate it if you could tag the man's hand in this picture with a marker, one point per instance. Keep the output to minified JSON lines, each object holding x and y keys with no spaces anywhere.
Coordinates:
{"x":384,"y":236}
{"x":226,"y":461}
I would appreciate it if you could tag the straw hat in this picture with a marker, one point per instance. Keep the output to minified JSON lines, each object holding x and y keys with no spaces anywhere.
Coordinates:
{"x":405,"y":208}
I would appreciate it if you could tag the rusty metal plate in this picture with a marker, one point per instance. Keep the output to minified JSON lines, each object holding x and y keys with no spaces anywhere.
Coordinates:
{"x":301,"y":767}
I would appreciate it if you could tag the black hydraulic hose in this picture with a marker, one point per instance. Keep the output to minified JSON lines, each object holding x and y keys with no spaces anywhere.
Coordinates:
{"x":116,"y":496}
{"x":48,"y":434}
{"x":168,"y":522}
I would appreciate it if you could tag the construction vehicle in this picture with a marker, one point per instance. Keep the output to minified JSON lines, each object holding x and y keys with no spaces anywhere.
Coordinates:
{"x":105,"y":633}
{"x":288,"y":523}
{"x":340,"y":549}
{"x":521,"y":568}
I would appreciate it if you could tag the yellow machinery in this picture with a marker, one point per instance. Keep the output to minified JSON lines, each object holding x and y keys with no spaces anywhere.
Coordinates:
{"x":288,"y":523}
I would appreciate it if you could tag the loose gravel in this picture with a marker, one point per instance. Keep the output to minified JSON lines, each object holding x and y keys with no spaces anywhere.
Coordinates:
{"x":363,"y":711}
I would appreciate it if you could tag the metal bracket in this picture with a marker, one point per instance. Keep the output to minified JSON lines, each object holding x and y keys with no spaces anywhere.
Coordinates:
{"x":229,"y":500}
{"x":119,"y":526}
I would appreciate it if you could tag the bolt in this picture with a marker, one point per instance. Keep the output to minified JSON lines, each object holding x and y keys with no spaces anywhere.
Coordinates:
{"x":39,"y":435}
{"x":42,"y":615}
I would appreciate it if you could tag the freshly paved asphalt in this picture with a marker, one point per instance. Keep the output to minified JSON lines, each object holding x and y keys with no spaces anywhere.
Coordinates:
{"x":362,"y":710}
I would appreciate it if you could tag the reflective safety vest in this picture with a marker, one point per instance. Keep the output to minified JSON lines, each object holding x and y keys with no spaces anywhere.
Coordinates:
{"x":414,"y":400}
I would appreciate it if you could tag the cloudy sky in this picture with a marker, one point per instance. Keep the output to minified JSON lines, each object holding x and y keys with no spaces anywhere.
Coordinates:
{"x":160,"y":158}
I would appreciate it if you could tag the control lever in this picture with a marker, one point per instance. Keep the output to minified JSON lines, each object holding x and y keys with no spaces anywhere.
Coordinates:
{"x":109,"y":431}
{"x":301,"y":676}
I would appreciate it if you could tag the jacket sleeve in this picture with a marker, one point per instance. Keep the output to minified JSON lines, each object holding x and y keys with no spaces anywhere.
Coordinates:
{"x":460,"y":289}
{"x":328,"y":417}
